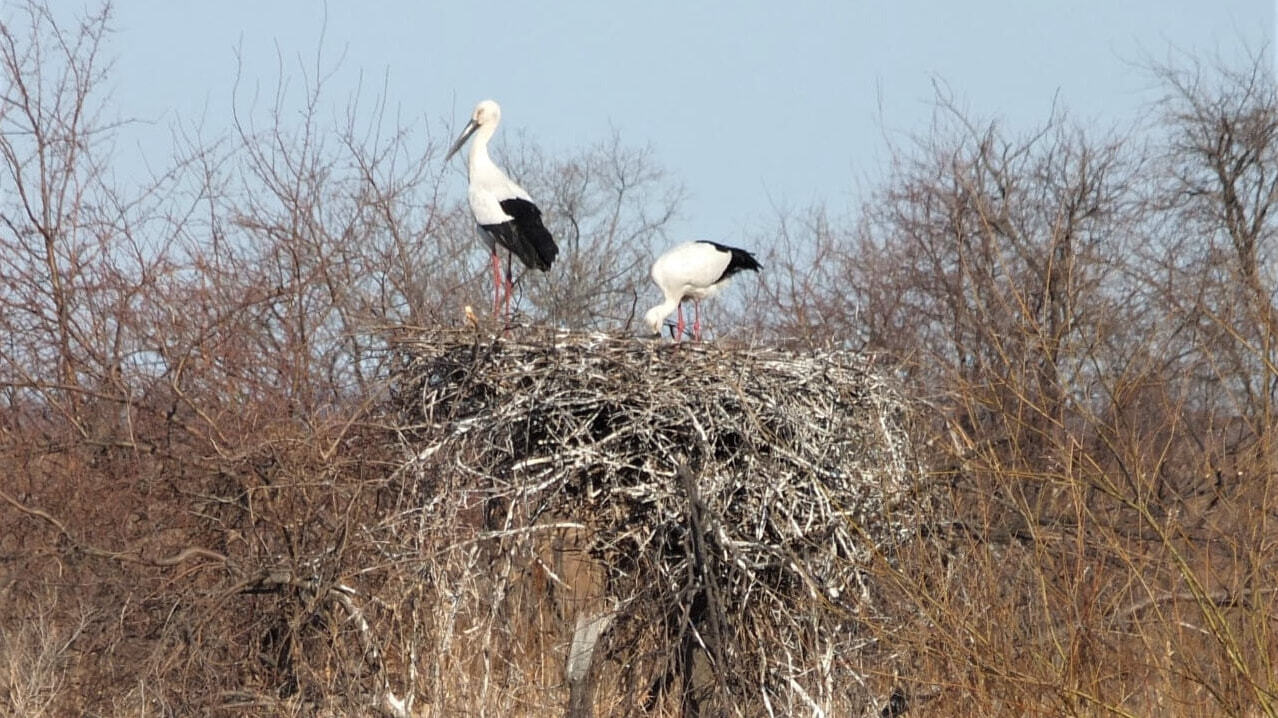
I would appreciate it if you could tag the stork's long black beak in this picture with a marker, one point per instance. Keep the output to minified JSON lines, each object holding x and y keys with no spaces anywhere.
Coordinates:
{"x":461,"y":140}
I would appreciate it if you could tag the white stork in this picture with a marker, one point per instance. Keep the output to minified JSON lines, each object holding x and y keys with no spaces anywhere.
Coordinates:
{"x":505,"y":213}
{"x":694,"y":270}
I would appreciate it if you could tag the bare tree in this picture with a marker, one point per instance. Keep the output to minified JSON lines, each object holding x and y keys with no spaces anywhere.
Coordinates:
{"x":56,"y":240}
{"x":1216,"y":254}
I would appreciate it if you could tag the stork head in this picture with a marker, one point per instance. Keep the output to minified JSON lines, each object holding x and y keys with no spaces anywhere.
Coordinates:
{"x":487,"y":114}
{"x":654,"y":318}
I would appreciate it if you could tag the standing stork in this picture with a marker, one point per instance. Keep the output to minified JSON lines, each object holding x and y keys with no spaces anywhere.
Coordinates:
{"x":505,"y":213}
{"x":694,"y":270}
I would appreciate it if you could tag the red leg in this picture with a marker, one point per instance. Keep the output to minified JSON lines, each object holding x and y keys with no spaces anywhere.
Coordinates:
{"x":497,"y":283}
{"x":510,"y":289}
{"x":679,"y":325}
{"x":696,"y":323}
{"x":510,"y":284}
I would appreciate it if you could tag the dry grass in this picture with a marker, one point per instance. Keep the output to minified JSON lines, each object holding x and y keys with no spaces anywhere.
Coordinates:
{"x":1071,"y":592}
{"x":34,"y":660}
{"x":434,"y":557}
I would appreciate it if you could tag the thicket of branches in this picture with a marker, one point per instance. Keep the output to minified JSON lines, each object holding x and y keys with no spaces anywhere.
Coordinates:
{"x":1091,"y":317}
{"x":189,"y":368}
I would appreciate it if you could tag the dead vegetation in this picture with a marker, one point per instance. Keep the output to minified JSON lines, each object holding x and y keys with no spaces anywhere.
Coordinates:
{"x":226,"y":489}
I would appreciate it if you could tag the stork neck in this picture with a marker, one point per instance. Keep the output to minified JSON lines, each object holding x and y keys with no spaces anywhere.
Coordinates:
{"x":479,"y":147}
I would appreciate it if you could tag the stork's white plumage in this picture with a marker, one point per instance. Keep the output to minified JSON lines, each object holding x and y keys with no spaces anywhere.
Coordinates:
{"x":694,"y":270}
{"x":505,"y":213}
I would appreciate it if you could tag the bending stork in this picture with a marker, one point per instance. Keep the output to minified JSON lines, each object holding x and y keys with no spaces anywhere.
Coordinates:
{"x":505,"y":213}
{"x":694,"y":270}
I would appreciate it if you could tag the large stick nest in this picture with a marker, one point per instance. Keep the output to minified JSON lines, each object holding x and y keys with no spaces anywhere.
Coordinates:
{"x":793,"y":468}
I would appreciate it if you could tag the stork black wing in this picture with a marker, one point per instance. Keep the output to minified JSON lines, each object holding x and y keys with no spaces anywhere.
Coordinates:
{"x":525,"y":235}
{"x":739,"y":261}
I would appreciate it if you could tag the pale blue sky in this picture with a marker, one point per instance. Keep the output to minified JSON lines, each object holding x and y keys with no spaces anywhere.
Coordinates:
{"x":746,"y":103}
